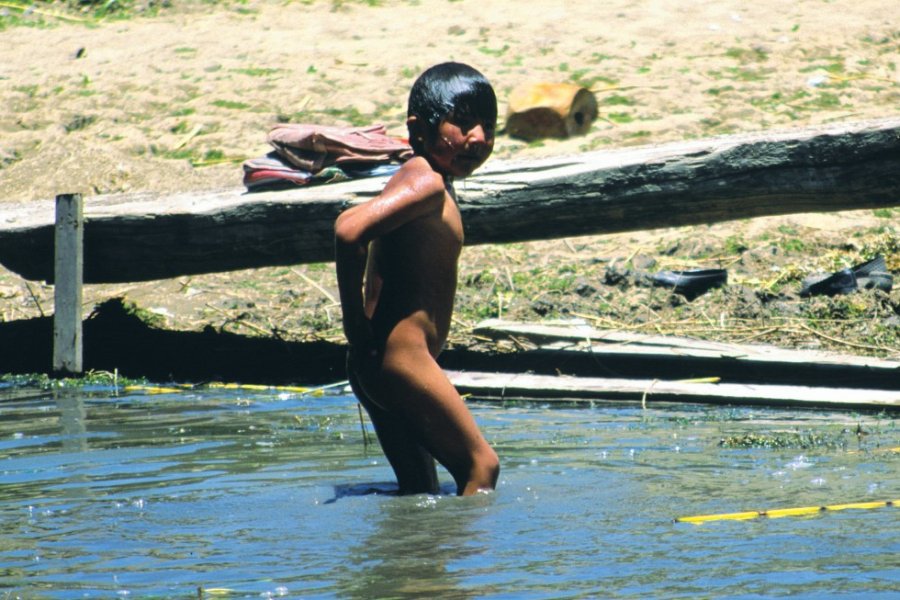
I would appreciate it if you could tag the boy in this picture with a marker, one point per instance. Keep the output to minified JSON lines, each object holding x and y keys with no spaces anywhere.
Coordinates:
{"x":396,"y":258}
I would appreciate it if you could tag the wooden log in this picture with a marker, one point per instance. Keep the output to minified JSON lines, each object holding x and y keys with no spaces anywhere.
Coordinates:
{"x":138,"y":237}
{"x":542,"y":110}
{"x":508,"y":386}
{"x":67,"y":342}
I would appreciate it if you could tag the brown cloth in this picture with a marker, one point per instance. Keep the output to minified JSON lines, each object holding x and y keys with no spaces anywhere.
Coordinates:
{"x":314,"y":147}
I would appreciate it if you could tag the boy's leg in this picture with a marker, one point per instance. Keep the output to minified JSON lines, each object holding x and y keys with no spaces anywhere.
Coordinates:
{"x":418,"y":391}
{"x":413,"y":465}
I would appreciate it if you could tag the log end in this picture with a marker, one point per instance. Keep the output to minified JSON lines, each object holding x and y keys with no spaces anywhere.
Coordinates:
{"x":550,"y":110}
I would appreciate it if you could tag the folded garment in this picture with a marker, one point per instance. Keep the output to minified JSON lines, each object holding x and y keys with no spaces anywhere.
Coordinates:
{"x":270,"y":172}
{"x":872,"y":274}
{"x":314,"y":147}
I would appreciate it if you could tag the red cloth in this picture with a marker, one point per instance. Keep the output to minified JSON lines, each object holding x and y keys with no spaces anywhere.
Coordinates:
{"x":314,"y":147}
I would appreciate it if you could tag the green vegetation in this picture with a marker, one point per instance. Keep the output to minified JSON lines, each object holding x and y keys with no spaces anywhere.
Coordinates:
{"x":806,"y":440}
{"x":259,"y":71}
{"x":747,"y":55}
{"x":46,"y":382}
{"x":231,"y":104}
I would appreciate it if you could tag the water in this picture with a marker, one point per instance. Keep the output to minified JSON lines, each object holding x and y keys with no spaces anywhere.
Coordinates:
{"x":263,"y":494}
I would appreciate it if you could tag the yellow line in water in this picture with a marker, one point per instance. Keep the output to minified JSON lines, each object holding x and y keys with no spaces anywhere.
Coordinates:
{"x":153,"y":389}
{"x":259,"y":388}
{"x":157,"y":389}
{"x":785,"y":512}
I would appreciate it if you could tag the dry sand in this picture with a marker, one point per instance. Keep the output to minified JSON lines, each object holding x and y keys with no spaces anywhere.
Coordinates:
{"x":99,"y":109}
{"x":177,"y":100}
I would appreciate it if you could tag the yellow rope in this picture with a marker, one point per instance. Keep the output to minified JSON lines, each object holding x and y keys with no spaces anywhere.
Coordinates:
{"x":785,"y":512}
{"x":156,"y":389}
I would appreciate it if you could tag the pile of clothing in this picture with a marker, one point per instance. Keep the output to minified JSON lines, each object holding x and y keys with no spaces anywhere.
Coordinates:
{"x":305,"y":154}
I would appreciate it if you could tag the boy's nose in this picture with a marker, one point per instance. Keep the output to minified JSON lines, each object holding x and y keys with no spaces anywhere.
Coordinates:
{"x":477,"y":135}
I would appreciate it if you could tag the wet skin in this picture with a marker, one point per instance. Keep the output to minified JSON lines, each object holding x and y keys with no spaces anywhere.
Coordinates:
{"x":397,"y":260}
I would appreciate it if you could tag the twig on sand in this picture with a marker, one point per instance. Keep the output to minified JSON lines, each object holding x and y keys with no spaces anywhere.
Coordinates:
{"x":35,"y":299}
{"x":321,"y":289}
{"x":239,"y":321}
{"x":817,"y":333}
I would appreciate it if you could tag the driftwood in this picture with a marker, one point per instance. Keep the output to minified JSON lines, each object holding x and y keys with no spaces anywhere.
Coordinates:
{"x":576,"y":336}
{"x":512,"y":386}
{"x":669,"y":368}
{"x":137,"y":237}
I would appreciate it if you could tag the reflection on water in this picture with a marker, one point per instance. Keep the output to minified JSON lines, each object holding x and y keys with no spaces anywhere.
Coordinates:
{"x":275,"y":494}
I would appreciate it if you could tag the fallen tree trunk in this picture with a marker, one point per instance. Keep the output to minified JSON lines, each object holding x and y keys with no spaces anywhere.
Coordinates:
{"x":139,"y":237}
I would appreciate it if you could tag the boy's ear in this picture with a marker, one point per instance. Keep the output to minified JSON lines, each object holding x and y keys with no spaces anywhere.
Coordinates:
{"x":414,"y":126}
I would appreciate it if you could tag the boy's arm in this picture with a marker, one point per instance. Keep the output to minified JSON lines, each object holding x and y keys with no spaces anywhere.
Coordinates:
{"x":415,"y":190}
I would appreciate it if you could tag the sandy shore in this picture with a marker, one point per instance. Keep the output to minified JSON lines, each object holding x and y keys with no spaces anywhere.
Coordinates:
{"x":157,"y":103}
{"x":177,"y":100}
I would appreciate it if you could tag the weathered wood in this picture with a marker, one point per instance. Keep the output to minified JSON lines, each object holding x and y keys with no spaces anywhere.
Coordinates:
{"x":582,"y":337}
{"x":615,"y":352}
{"x":507,"y":386}
{"x":144,"y":236}
{"x":68,"y":269}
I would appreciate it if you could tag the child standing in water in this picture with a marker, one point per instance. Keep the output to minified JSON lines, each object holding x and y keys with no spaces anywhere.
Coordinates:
{"x":396,"y":257}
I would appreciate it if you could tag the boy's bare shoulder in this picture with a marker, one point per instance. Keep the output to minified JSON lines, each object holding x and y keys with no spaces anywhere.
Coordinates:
{"x":417,"y":176}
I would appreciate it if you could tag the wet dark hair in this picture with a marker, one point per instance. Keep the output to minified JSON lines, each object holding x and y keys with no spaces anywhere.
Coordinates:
{"x":450,"y":88}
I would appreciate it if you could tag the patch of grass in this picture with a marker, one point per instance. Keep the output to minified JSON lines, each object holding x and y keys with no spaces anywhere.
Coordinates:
{"x":833,"y":65}
{"x":350,"y":114}
{"x":46,"y":382}
{"x":735,"y":244}
{"x":787,"y":229}
{"x":9,"y":158}
{"x":787,"y":439}
{"x":743,"y":74}
{"x":258,"y":71}
{"x":638,"y":135}
{"x":618,"y":100}
{"x":231,"y":104}
{"x":620,"y":118}
{"x":824,"y":100}
{"x":597,"y":57}
{"x":793,"y":245}
{"x":28,"y":90}
{"x":497,"y":52}
{"x":181,"y":128}
{"x":79,"y":122}
{"x":747,"y":55}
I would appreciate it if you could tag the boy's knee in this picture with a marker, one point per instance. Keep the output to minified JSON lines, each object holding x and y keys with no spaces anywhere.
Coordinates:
{"x":486,"y":468}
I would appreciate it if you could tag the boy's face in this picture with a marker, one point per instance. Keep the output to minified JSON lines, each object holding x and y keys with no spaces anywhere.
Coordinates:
{"x":461,"y":145}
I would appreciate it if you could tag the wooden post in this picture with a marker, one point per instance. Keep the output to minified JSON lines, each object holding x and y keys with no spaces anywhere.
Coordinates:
{"x":68,"y":270}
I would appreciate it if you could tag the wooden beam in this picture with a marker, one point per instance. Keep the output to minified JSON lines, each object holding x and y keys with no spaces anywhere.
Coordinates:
{"x":67,"y":342}
{"x":576,"y":348}
{"x":509,"y":386}
{"x":136,"y":237}
{"x":581,"y":337}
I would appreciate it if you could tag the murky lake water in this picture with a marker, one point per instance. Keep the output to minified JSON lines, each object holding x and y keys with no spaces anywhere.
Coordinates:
{"x":262,"y":493}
